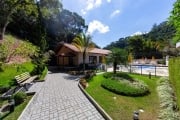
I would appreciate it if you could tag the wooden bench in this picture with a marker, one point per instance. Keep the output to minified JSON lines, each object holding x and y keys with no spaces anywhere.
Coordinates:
{"x":24,"y":79}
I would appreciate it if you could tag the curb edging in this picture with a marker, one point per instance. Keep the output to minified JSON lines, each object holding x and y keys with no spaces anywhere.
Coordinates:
{"x":96,"y":105}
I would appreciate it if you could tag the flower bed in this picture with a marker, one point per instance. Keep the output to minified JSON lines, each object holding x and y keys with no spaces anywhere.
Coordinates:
{"x":123,"y":84}
{"x":168,"y":107}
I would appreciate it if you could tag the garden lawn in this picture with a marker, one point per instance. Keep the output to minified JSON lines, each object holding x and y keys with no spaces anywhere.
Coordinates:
{"x":121,"y":107}
{"x":17,"y":111}
{"x":9,"y":71}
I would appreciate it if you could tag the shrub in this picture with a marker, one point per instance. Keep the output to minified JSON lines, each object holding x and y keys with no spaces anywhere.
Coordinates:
{"x":118,"y":75}
{"x":1,"y":64}
{"x":174,"y":76}
{"x":89,"y":74}
{"x":44,"y":73}
{"x":125,"y":87}
{"x":19,"y":97}
{"x":124,"y":76}
{"x":39,"y":61}
{"x":108,"y":75}
{"x":168,"y":107}
{"x":4,"y":89}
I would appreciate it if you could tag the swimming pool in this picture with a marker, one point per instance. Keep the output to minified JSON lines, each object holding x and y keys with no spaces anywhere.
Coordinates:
{"x":146,"y":66}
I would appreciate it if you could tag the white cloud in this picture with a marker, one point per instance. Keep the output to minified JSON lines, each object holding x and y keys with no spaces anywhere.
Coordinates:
{"x":91,"y":4}
{"x":96,"y":25}
{"x":114,"y":13}
{"x":138,"y":33}
{"x":108,"y":1}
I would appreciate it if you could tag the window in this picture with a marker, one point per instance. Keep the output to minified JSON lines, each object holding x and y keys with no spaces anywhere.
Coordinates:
{"x":92,"y":59}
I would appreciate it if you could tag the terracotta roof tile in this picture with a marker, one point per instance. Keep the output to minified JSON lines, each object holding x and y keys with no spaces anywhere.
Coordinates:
{"x":100,"y":51}
{"x":94,"y":50}
{"x":72,"y":47}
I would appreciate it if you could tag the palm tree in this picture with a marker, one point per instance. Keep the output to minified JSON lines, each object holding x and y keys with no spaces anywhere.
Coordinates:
{"x":84,"y":44}
{"x":118,"y":56}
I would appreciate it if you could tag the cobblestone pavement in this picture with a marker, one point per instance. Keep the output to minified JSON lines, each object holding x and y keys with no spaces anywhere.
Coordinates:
{"x":59,"y":98}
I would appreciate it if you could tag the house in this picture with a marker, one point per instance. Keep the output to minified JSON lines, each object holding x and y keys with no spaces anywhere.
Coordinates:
{"x":69,"y":55}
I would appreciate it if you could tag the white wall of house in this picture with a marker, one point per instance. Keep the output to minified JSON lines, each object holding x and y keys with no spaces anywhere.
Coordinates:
{"x":80,"y":57}
{"x":177,"y":44}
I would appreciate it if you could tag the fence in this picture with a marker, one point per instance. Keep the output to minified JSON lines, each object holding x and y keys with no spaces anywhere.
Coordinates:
{"x":143,"y":69}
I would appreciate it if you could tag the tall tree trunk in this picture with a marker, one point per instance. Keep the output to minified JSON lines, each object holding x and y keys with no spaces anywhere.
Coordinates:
{"x":3,"y":29}
{"x":114,"y":67}
{"x":6,"y":14}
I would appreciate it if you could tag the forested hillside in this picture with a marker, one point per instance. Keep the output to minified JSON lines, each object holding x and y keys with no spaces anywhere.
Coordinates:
{"x":148,"y":44}
{"x":40,"y":22}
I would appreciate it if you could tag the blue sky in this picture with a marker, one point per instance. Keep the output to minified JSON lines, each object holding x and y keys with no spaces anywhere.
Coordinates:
{"x":110,"y":20}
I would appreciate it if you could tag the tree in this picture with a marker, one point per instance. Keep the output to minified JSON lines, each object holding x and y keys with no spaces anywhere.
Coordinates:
{"x":7,"y":8}
{"x":175,"y":20}
{"x":118,"y":56}
{"x":84,"y":44}
{"x":136,"y":46}
{"x":50,"y":8}
{"x":65,"y":26}
{"x":25,"y":23}
{"x":163,"y":32}
{"x":121,"y":43}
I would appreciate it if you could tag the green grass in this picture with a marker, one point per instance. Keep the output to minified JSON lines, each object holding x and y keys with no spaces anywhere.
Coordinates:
{"x":18,"y":110}
{"x":174,"y":76}
{"x":122,"y":107}
{"x":9,"y":71}
{"x":44,"y":73}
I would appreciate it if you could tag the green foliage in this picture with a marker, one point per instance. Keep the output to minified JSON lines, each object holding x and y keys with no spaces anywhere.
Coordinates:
{"x":1,"y":64}
{"x":110,"y":75}
{"x":44,"y":73}
{"x":7,"y":8}
{"x":26,"y":19}
{"x":39,"y":60}
{"x":124,"y":87}
{"x":122,"y":107}
{"x":107,"y":75}
{"x":168,"y":107}
{"x":19,"y":97}
{"x":9,"y":71}
{"x":121,"y":43}
{"x":139,"y":45}
{"x":163,"y":32}
{"x":117,"y":56}
{"x":65,"y":26}
{"x":50,"y":8}
{"x":4,"y":88}
{"x":18,"y":110}
{"x":12,"y":47}
{"x":174,"y":76}
{"x":84,"y":44}
{"x":175,"y":20}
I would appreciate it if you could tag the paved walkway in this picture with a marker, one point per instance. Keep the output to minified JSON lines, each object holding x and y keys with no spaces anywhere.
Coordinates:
{"x":59,"y":98}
